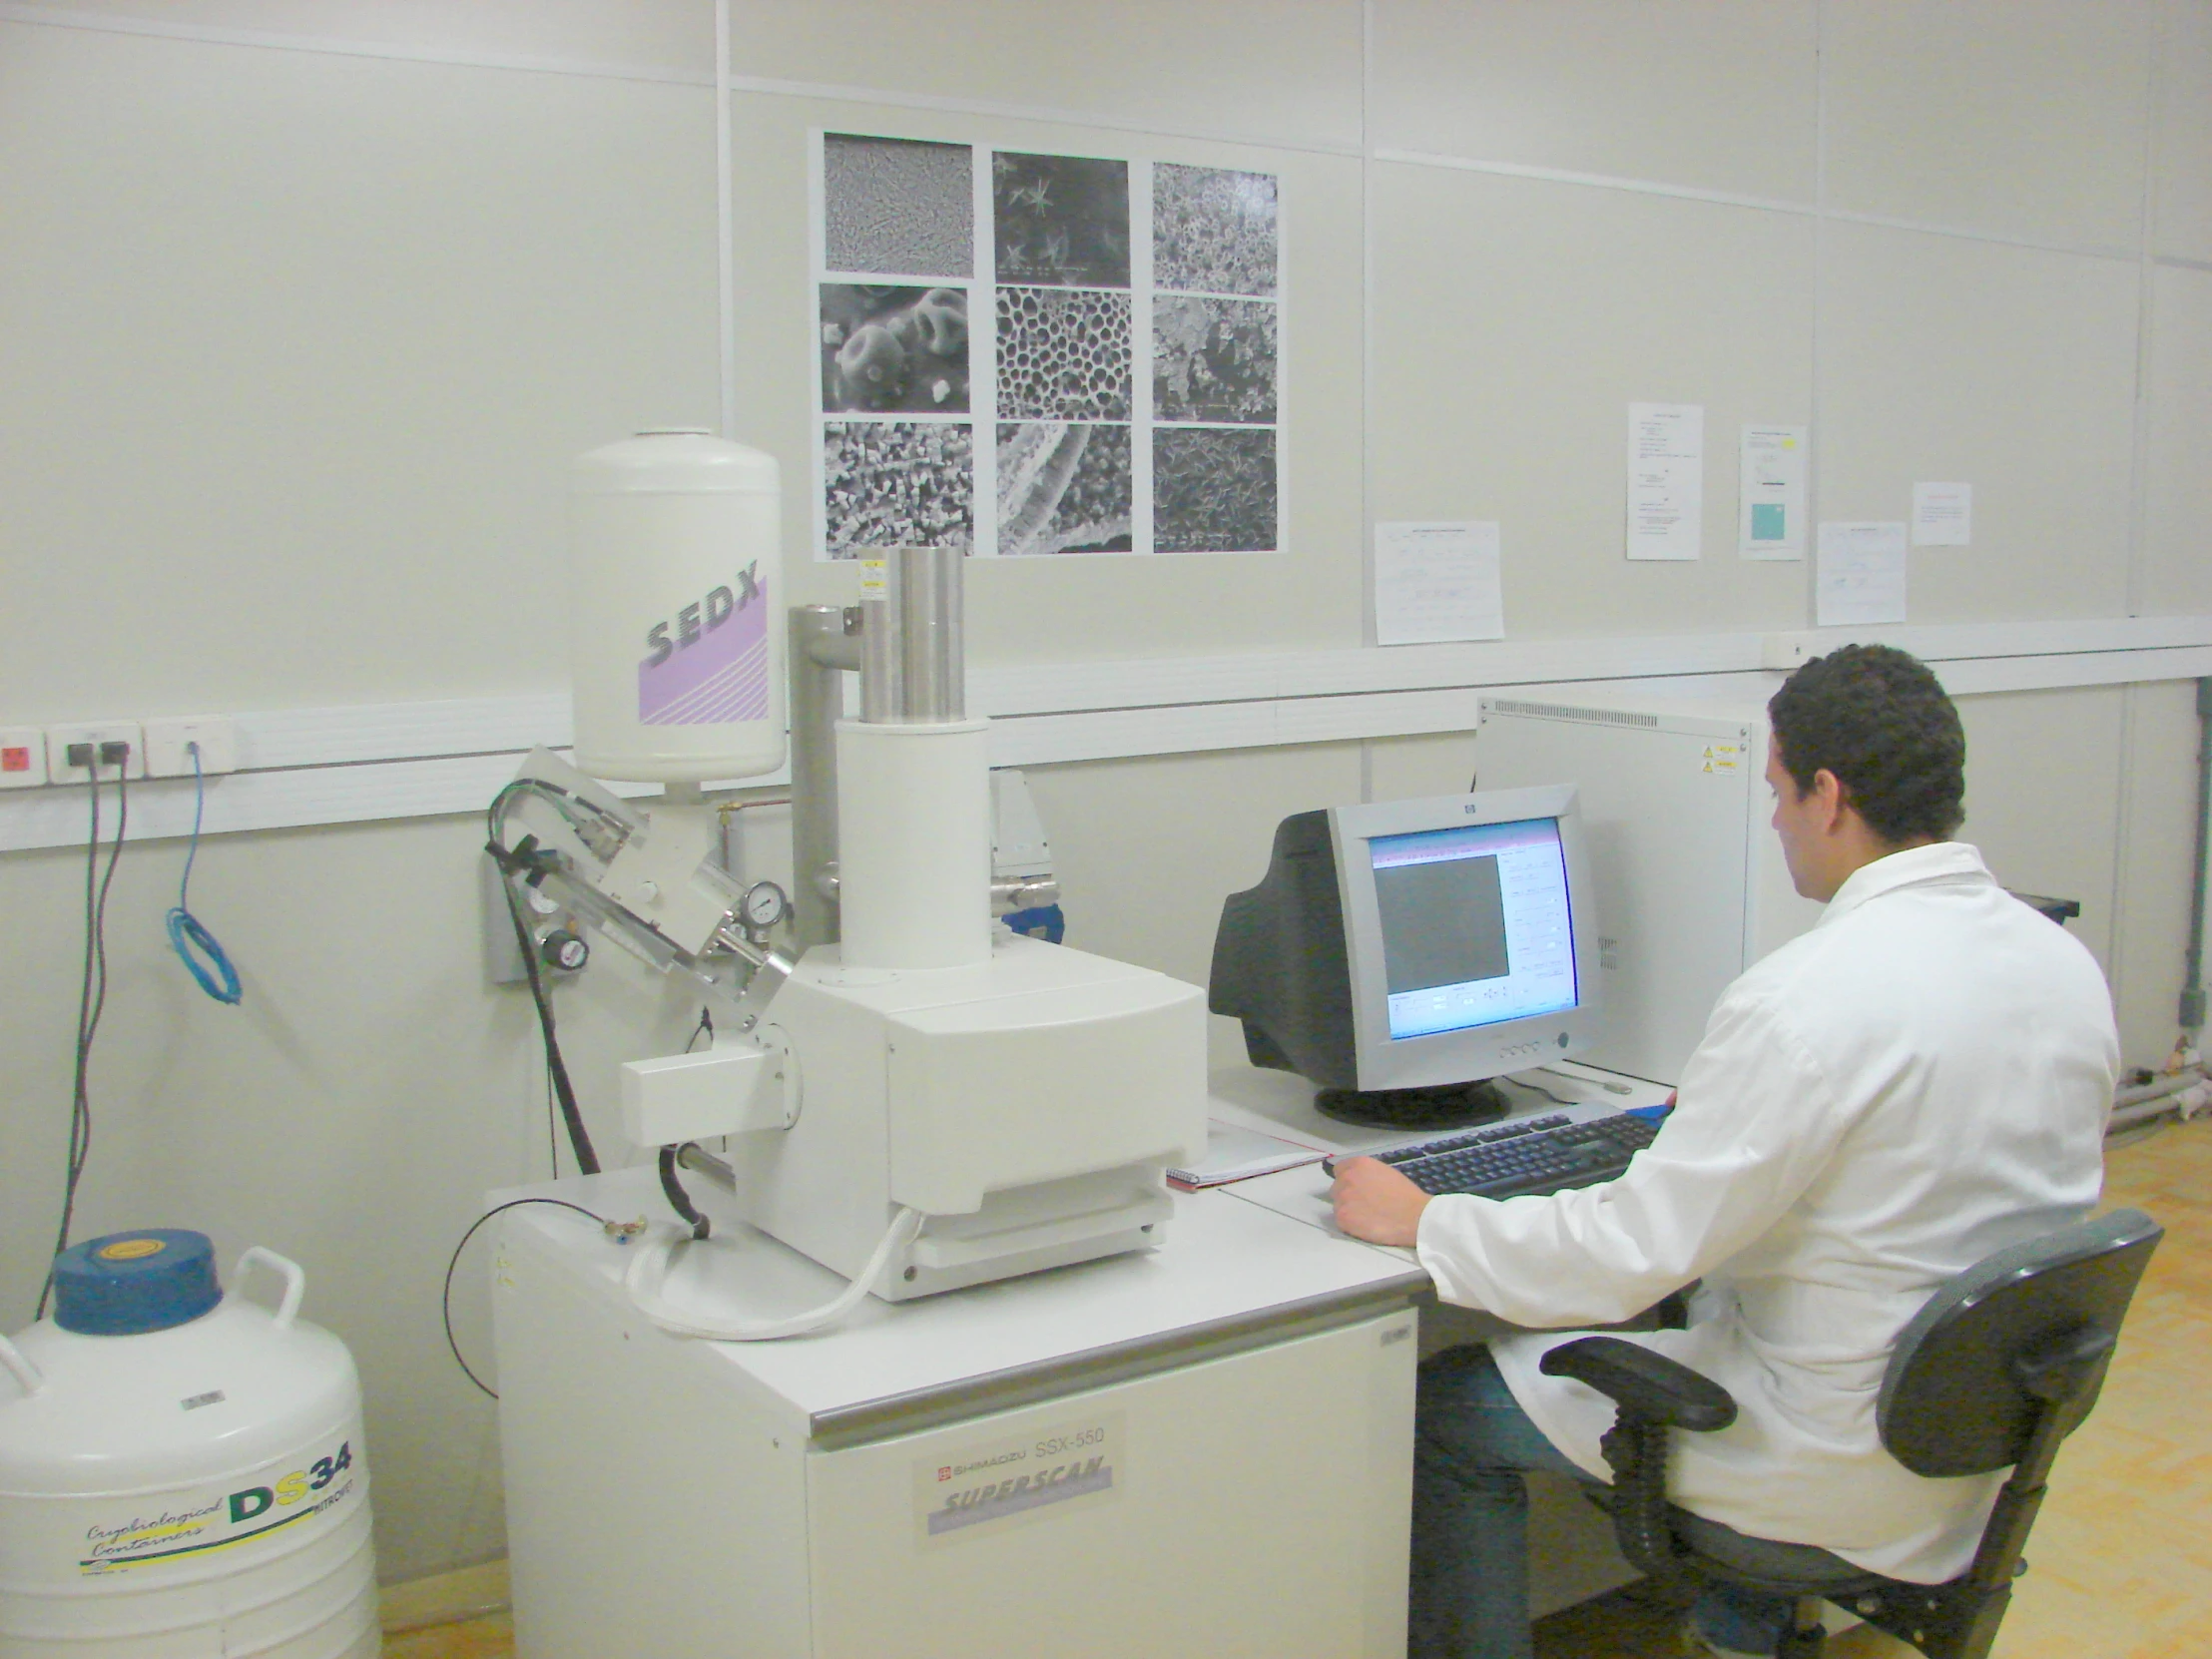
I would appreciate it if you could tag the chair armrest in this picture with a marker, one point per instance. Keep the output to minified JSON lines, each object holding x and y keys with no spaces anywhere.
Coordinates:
{"x":1643,"y":1383}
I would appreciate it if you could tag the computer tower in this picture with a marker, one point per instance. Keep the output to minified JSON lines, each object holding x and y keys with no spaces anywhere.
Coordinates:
{"x":1690,"y":884}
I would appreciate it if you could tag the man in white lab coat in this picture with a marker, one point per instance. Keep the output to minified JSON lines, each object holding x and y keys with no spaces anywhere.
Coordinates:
{"x":1919,"y":1080}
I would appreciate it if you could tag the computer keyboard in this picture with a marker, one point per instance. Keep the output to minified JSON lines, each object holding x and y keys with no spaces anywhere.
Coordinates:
{"x":1529,"y":1154}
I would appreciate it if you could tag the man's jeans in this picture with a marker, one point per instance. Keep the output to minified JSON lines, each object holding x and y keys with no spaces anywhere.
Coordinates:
{"x":1469,"y":1599}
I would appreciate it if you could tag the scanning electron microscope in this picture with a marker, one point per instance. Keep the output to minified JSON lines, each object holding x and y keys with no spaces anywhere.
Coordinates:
{"x":913,"y":1096}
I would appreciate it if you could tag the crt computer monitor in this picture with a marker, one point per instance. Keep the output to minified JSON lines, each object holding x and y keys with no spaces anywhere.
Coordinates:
{"x":1396,"y":952}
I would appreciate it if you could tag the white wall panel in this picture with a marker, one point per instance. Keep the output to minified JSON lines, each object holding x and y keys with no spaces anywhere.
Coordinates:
{"x":2177,"y":529}
{"x":2009,"y":368}
{"x":1408,"y":769}
{"x":2182,"y":199}
{"x":1514,"y":323}
{"x":1269,"y":69}
{"x":295,"y":348}
{"x":2020,"y":117}
{"x":1148,"y":849}
{"x":654,"y":37}
{"x":1713,"y":93}
{"x":2042,"y":798}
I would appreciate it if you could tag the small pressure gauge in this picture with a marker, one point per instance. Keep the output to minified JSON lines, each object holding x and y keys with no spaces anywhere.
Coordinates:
{"x":562,"y":949}
{"x":765,"y":904}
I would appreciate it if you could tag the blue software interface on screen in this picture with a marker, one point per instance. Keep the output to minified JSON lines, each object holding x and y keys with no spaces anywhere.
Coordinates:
{"x":1477,"y":927}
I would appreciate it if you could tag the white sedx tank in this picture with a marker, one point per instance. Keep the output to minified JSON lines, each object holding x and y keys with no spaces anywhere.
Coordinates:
{"x":181,"y":1473}
{"x":674,"y":579}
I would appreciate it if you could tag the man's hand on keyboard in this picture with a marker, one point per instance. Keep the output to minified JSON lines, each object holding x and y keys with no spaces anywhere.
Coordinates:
{"x":1375,"y":1203}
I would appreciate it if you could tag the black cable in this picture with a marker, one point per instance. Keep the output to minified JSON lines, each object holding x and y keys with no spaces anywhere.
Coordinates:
{"x":92,"y":1001}
{"x":495,"y":814}
{"x":705,"y":1027}
{"x":579,"y":1138}
{"x":445,"y":1299}
{"x":672,"y":1188}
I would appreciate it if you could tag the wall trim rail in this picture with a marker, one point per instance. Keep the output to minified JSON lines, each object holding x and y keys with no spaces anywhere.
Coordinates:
{"x":300,"y":767}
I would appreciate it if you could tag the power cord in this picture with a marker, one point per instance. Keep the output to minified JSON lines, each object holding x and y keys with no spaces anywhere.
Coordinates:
{"x":579,"y":1138}
{"x":620,"y":1232}
{"x":92,"y":997}
{"x":672,"y":1188}
{"x":186,"y":932}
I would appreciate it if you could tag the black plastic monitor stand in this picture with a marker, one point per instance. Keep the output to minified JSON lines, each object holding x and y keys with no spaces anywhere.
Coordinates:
{"x":1443,"y":1106}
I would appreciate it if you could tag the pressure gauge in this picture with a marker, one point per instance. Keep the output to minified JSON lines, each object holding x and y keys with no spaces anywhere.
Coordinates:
{"x":763,"y":905}
{"x":562,"y":949}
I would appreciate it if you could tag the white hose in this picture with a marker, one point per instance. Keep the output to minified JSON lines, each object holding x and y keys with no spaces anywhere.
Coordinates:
{"x":648,"y":1275}
{"x":2186,"y":1105}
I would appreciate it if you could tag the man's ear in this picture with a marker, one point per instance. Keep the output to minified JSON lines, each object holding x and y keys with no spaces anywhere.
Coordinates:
{"x":1835,"y":800}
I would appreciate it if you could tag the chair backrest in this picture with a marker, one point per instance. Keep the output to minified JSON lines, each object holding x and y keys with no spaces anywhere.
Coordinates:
{"x":1961,"y":1392}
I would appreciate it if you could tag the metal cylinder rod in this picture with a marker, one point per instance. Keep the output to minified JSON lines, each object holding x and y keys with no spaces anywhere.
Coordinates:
{"x":927,"y":582}
{"x":822,"y":649}
{"x":2192,"y":984}
{"x":883,"y":652}
{"x":693,"y":1156}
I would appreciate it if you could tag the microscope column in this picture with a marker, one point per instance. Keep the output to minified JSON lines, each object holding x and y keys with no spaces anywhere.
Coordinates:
{"x":914,"y":781}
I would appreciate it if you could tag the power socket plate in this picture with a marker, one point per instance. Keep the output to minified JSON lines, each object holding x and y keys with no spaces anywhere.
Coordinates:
{"x":59,"y":738}
{"x":168,"y":740}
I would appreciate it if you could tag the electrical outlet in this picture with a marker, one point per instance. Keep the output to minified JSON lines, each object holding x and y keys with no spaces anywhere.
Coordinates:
{"x":21,"y":756}
{"x":168,"y":744}
{"x":58,"y":739}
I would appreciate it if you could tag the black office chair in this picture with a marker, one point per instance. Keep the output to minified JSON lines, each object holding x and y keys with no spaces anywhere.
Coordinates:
{"x":2002,"y":1365}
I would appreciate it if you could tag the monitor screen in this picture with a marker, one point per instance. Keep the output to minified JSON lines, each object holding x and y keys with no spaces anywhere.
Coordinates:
{"x":1416,"y":944}
{"x":1476,"y":926}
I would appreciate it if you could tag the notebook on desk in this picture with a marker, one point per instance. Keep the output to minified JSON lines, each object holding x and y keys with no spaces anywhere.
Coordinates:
{"x":1234,"y":1153}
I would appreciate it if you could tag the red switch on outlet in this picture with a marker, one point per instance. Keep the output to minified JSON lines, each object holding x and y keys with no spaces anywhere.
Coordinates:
{"x":22,"y":758}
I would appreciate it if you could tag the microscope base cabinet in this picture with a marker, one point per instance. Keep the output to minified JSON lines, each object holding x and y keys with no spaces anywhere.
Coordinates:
{"x":1242,"y":1489}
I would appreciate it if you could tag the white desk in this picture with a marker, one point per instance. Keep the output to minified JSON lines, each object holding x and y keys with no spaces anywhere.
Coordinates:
{"x":1249,"y":1387}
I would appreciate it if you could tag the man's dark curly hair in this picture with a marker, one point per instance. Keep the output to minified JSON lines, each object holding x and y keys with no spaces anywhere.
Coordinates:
{"x":1877,"y":718}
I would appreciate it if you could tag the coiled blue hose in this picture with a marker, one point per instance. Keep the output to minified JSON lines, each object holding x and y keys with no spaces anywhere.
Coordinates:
{"x":216,"y":977}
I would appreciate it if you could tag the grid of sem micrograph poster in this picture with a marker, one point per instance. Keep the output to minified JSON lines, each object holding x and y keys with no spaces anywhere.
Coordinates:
{"x":897,"y":447}
{"x":1216,"y":360}
{"x":1052,"y":390}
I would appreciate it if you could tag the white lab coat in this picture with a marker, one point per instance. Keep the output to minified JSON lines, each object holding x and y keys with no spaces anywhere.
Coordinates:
{"x":1919,"y":1080}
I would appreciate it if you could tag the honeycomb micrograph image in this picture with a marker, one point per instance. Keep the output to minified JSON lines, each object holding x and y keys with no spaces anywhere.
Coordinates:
{"x":1063,"y":354}
{"x":1212,"y":358}
{"x":893,"y":350}
{"x":1212,"y":230}
{"x":1061,"y":221}
{"x":897,"y":483}
{"x":897,"y":206}
{"x":1213,"y":491}
{"x":1064,"y":487}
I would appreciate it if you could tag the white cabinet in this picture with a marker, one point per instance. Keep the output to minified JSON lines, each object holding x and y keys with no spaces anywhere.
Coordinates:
{"x":1204,"y":1450}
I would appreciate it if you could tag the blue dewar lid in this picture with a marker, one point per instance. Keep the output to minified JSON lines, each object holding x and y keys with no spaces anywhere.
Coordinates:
{"x":128,"y":1284}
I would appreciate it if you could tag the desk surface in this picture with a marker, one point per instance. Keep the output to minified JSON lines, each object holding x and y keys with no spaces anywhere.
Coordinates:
{"x":1280,"y":1103}
{"x":1227,"y":1271}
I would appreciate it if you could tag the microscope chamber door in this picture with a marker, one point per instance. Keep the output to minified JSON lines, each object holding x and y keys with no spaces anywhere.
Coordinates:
{"x":1014,"y":1090}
